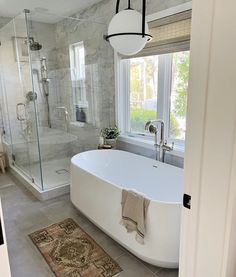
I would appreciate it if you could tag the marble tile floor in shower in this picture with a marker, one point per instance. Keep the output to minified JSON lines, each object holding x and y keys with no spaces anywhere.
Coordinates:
{"x":55,"y":172}
{"x":24,"y":214}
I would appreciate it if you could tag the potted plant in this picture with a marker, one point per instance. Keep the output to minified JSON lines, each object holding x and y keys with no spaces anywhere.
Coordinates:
{"x":110,"y":135}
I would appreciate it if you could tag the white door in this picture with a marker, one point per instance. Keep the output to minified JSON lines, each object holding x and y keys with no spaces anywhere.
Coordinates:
{"x":208,"y":245}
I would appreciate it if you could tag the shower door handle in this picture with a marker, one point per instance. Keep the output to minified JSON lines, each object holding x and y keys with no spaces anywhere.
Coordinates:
{"x":19,"y":115}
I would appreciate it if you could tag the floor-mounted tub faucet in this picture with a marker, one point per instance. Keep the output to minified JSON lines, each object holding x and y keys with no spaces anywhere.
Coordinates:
{"x":162,"y":145}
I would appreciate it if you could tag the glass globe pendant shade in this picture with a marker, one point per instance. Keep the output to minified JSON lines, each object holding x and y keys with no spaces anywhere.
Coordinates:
{"x":122,"y":24}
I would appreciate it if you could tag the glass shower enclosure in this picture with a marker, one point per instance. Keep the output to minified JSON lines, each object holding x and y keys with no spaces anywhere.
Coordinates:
{"x":49,"y":86}
{"x":17,"y":111}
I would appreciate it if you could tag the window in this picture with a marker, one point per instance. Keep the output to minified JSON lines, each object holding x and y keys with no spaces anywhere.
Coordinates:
{"x":77,"y":73}
{"x":143,"y":91}
{"x":77,"y":61}
{"x":153,"y":84}
{"x":156,"y":88}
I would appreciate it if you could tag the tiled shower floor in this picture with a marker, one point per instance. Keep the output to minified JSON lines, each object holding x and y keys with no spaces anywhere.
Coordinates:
{"x":24,"y":214}
{"x":55,"y":172}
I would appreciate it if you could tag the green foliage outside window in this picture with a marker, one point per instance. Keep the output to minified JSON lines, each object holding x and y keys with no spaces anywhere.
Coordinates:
{"x":182,"y":72}
{"x":140,"y":116}
{"x":143,"y":87}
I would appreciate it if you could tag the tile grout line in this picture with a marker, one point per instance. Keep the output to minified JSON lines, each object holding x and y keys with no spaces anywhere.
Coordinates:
{"x":154,"y":273}
{"x":138,"y":260}
{"x":120,"y":256}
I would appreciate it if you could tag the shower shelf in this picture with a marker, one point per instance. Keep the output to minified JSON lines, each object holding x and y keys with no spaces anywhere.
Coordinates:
{"x":78,"y":124}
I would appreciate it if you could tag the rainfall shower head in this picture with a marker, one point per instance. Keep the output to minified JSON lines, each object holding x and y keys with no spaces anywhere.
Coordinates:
{"x":34,"y":45}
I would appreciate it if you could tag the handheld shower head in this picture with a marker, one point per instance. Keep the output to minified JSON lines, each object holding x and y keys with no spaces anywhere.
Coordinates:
{"x":147,"y":125}
{"x":150,"y":127}
{"x":34,"y":45}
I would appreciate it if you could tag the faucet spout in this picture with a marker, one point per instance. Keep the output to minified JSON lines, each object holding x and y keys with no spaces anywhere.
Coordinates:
{"x":153,"y":129}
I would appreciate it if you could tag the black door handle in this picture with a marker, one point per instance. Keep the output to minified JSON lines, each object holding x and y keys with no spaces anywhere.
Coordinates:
{"x":1,"y":234}
{"x":187,"y":201}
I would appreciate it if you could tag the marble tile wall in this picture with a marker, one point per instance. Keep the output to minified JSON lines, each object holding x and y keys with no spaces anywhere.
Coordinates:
{"x":4,"y":21}
{"x":44,"y":33}
{"x":99,"y":83}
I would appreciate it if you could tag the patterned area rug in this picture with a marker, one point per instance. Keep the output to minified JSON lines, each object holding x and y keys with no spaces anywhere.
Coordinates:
{"x":71,"y":252}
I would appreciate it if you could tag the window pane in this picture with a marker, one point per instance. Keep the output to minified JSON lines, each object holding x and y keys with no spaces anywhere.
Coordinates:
{"x":180,"y":76}
{"x":143,"y":91}
{"x":78,"y":80}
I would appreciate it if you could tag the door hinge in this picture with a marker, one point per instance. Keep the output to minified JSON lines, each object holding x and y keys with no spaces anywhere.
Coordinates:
{"x":187,"y":201}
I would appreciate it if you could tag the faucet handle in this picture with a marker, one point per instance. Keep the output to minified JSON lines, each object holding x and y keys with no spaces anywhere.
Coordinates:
{"x":168,"y":147}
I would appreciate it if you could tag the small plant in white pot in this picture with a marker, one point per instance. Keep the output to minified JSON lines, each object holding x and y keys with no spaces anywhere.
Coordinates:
{"x":110,"y":135}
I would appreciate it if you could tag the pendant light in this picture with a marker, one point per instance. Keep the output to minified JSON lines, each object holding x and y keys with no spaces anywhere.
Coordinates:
{"x":128,"y":30}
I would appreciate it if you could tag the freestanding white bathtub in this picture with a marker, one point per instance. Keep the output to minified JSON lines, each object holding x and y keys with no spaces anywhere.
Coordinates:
{"x":97,"y":179}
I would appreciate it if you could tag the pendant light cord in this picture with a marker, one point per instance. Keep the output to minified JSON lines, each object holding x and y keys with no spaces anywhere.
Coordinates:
{"x":117,"y":6}
{"x":144,"y":18}
{"x":129,"y":4}
{"x":143,"y":13}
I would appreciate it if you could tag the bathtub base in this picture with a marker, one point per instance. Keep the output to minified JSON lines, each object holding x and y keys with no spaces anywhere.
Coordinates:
{"x":153,"y":262}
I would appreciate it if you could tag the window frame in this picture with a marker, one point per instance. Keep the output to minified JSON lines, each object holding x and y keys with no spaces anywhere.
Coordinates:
{"x":163,"y":99}
{"x":80,"y":76}
{"x":73,"y":61}
{"x":164,"y":94}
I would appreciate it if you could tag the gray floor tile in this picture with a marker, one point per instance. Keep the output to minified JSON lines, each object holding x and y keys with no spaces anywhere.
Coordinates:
{"x":162,"y":272}
{"x":132,"y":267}
{"x":108,"y":244}
{"x":24,"y":214}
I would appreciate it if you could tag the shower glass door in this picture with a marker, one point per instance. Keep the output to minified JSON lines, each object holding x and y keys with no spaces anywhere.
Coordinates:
{"x":18,"y":105}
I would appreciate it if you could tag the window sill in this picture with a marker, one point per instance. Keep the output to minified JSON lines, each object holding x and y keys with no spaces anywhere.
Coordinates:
{"x":78,"y":124}
{"x":178,"y":150}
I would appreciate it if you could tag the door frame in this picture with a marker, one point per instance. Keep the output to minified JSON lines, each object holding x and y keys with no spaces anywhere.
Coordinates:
{"x":208,"y":235}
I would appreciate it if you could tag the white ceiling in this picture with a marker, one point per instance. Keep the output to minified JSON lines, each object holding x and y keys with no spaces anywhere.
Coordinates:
{"x":10,"y":8}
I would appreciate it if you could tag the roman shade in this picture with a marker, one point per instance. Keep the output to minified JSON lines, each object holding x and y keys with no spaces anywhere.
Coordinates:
{"x":170,"y":34}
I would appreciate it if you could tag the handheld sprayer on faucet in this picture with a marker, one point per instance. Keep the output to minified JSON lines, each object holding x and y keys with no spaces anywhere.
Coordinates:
{"x":162,"y":146}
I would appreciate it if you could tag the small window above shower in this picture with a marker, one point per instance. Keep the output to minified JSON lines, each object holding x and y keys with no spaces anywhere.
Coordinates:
{"x":78,"y":77}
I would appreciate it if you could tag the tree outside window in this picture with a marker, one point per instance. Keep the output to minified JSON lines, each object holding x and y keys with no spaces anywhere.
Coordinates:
{"x":144,"y":93}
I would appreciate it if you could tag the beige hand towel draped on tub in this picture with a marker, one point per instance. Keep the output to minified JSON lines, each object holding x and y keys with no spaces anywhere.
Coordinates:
{"x":134,"y":211}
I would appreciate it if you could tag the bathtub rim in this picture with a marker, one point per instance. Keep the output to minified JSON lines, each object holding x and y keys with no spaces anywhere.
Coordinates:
{"x":112,"y":183}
